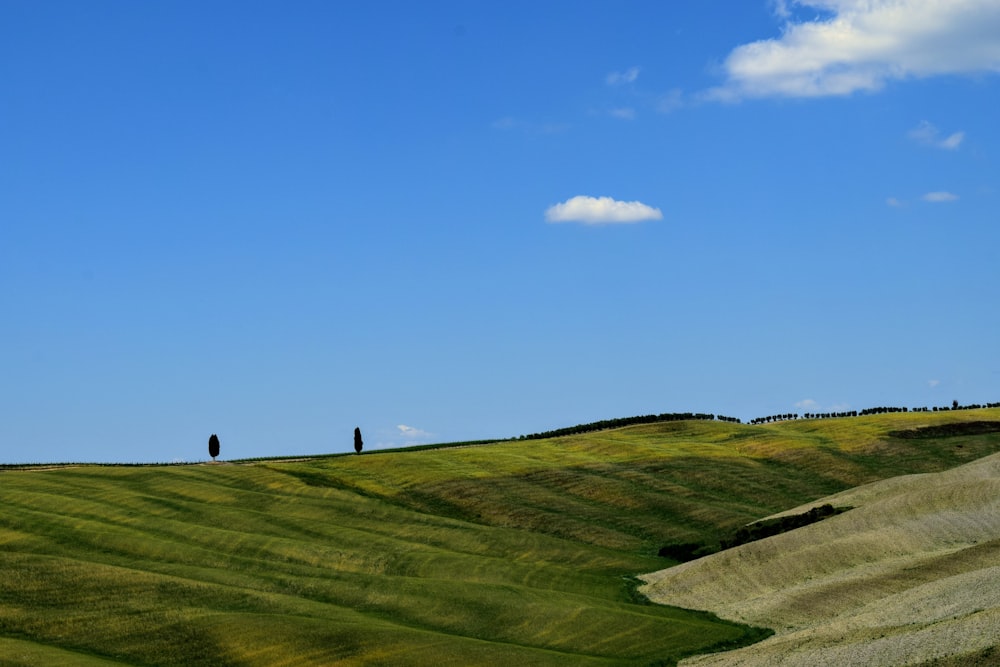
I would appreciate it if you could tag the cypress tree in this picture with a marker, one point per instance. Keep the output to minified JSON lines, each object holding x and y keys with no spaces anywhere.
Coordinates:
{"x":357,"y":441}
{"x":213,"y":446}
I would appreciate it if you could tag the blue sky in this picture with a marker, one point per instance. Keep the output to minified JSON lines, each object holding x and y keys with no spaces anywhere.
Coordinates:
{"x":461,"y":220}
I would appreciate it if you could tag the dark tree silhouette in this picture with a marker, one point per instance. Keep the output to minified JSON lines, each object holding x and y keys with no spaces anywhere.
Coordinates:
{"x":357,"y":441}
{"x":954,"y":405}
{"x":213,"y":446}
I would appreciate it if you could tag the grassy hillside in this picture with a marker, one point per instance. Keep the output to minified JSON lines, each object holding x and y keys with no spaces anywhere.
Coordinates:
{"x":512,"y":553}
{"x":907,"y":577}
{"x":634,"y":488}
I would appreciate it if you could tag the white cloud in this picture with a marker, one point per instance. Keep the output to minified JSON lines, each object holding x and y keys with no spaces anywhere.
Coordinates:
{"x":624,"y":113}
{"x":807,"y":404}
{"x":601,"y":210}
{"x":939,"y":197}
{"x":895,"y":203}
{"x":860,"y":45}
{"x":618,"y":78}
{"x":411,"y":432}
{"x":925,"y":133}
{"x":933,"y":383}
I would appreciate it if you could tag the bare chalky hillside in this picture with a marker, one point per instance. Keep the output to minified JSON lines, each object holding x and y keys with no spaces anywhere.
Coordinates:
{"x":907,"y":576}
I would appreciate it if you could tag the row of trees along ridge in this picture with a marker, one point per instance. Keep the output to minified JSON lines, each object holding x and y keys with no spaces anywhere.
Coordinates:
{"x":684,"y":416}
{"x":869,"y":411}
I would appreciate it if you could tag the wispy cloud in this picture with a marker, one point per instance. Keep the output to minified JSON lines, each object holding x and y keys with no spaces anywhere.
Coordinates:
{"x":619,"y":78}
{"x":670,"y":101}
{"x":601,"y":210}
{"x":411,"y":433}
{"x":893,"y":202}
{"x":925,"y":133}
{"x":933,"y":383}
{"x":939,"y":197}
{"x":781,"y":8}
{"x":952,"y":141}
{"x":860,"y":45}
{"x":623,"y":113}
{"x":809,"y":405}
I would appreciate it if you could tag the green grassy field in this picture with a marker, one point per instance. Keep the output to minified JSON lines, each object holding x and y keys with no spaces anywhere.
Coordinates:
{"x":511,"y":553}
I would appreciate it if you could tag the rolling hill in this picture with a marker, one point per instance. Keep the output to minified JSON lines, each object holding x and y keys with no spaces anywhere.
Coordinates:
{"x":519,"y":552}
{"x":906,"y":577}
